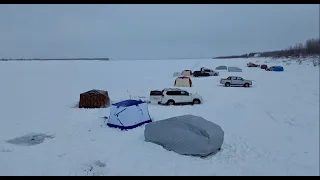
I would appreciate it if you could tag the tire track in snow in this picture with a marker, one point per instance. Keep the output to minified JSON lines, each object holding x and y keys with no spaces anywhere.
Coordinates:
{"x":270,"y":116}
{"x":237,"y":149}
{"x":287,"y":119}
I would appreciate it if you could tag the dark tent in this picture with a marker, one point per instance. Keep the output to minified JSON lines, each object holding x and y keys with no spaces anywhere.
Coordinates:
{"x":221,"y":68}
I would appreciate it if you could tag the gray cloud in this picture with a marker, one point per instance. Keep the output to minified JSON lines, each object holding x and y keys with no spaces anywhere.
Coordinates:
{"x":152,"y":31}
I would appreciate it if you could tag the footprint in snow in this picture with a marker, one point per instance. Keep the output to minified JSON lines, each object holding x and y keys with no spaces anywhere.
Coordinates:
{"x":4,"y":150}
{"x":97,"y":168}
{"x":288,"y":119}
{"x":238,"y":105}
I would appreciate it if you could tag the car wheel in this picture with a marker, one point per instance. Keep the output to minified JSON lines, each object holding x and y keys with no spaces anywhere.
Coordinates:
{"x":170,"y":102}
{"x":196,"y":101}
{"x":246,"y":85}
{"x":227,"y":84}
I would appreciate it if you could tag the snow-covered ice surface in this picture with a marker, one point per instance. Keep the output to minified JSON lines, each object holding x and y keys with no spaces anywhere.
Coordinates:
{"x":270,"y":129}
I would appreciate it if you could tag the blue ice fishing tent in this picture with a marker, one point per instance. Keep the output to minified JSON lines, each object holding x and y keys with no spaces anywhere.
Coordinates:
{"x":277,"y":68}
{"x":128,"y":114}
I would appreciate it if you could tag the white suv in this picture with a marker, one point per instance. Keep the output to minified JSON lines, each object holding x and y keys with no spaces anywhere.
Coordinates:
{"x":173,"y":96}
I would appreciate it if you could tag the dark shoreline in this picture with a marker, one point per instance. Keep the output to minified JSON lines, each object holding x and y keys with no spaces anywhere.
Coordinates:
{"x":57,"y":59}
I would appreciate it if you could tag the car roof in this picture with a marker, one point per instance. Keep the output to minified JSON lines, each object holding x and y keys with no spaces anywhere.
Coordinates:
{"x":172,"y":89}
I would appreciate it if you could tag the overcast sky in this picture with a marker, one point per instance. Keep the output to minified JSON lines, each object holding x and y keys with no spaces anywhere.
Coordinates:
{"x":152,"y":31}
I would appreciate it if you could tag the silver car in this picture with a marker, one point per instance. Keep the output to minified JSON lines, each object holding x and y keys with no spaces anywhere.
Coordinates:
{"x":235,"y":81}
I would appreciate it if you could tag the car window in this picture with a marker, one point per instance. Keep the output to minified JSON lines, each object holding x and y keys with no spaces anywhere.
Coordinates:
{"x":173,"y":93}
{"x":155,"y":93}
{"x":184,"y":93}
{"x":229,"y":78}
{"x":234,"y":78}
{"x":170,"y":93}
{"x":239,"y":78}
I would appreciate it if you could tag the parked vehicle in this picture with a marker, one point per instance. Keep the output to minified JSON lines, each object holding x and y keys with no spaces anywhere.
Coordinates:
{"x":264,"y":66}
{"x":205,"y":73}
{"x":235,"y":81}
{"x":175,"y":96}
{"x":269,"y":68}
{"x":251,"y":64}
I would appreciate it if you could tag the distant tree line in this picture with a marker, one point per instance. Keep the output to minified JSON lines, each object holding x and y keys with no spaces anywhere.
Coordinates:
{"x":310,"y":48}
{"x":55,"y":59}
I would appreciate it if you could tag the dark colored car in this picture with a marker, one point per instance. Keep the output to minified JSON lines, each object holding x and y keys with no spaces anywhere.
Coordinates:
{"x":269,"y":68}
{"x":250,"y":64}
{"x":200,"y":74}
{"x":205,"y":73}
{"x":263,"y":66}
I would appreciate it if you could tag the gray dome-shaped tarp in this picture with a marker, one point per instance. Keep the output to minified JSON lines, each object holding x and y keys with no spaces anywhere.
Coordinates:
{"x":234,"y":69}
{"x":187,"y":135}
{"x":221,"y":68}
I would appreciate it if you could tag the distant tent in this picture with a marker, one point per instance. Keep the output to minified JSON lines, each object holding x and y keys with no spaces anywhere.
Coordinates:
{"x":94,"y":99}
{"x":221,"y":68}
{"x":128,"y":114}
{"x":234,"y":69}
{"x":264,"y":66}
{"x":277,"y":68}
{"x":183,"y":82}
{"x":186,"y":73}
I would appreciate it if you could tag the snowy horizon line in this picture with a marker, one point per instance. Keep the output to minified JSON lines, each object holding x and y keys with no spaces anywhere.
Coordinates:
{"x":106,"y":59}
